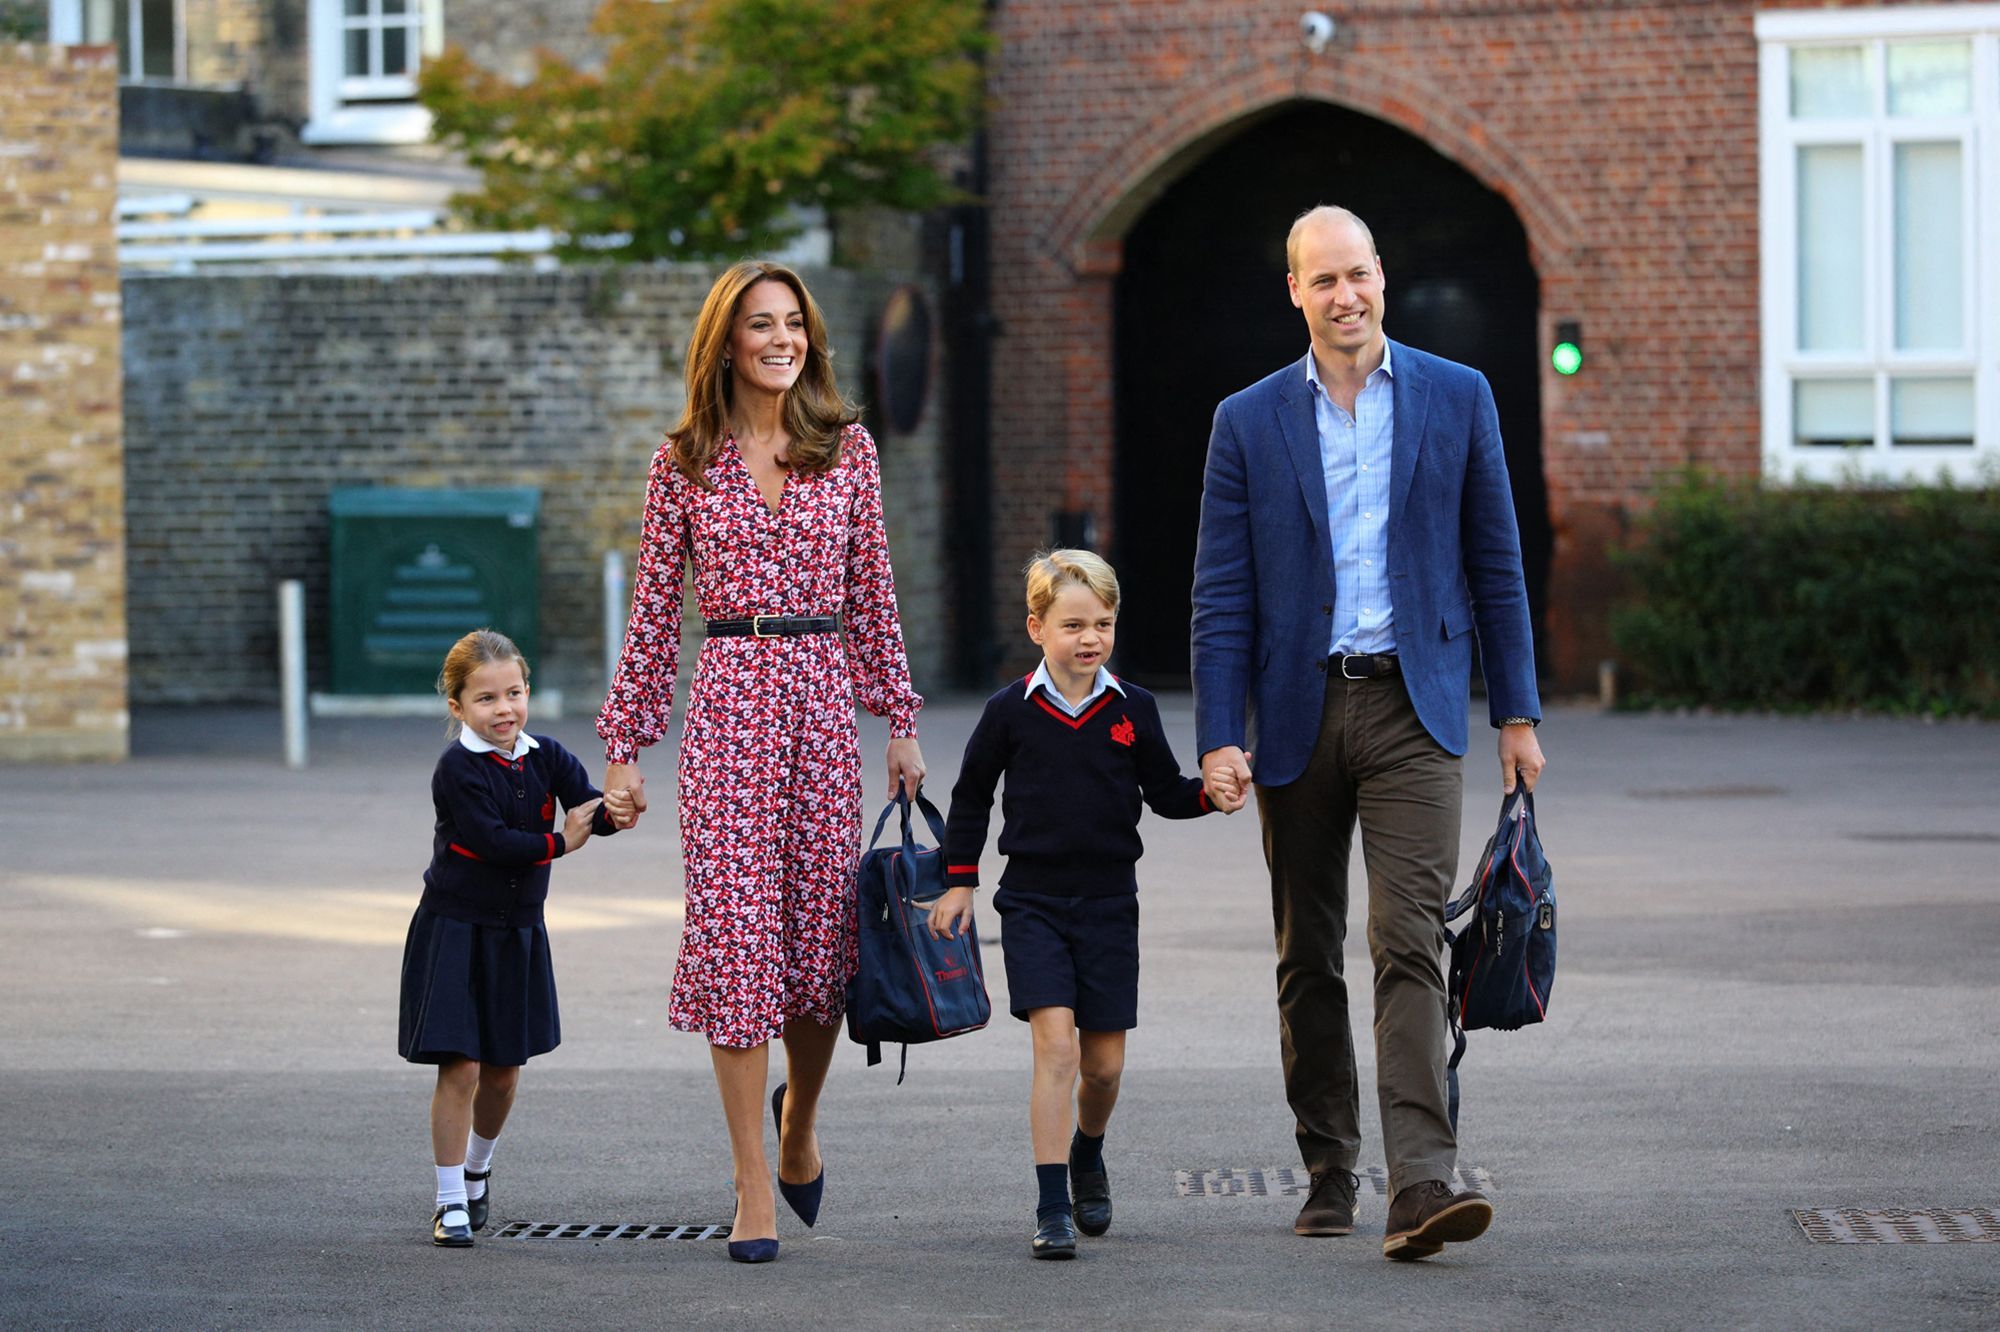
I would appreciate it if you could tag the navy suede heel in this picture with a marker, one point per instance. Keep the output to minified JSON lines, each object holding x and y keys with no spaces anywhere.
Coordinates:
{"x":803,"y":1199}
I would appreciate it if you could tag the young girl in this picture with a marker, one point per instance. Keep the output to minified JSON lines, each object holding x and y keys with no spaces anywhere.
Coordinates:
{"x":479,"y":994}
{"x":1079,"y":748}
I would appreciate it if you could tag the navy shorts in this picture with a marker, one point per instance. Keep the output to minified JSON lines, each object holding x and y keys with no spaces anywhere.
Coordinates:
{"x":1079,"y":953}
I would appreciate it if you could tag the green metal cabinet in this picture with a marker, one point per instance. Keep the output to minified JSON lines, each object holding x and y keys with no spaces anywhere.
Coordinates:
{"x":415,"y":570}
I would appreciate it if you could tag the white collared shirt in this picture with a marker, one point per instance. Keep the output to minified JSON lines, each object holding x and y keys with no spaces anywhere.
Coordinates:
{"x":522,"y":744}
{"x":1105,"y":680}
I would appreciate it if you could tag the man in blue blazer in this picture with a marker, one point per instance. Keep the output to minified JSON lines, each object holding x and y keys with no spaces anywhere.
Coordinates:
{"x":1356,"y":531}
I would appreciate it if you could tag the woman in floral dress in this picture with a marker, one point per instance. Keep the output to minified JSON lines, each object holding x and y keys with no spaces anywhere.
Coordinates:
{"x":772,"y":490}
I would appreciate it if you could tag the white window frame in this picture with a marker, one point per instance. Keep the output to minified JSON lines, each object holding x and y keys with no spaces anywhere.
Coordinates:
{"x":66,"y":29}
{"x":353,"y":111}
{"x":1780,"y":137}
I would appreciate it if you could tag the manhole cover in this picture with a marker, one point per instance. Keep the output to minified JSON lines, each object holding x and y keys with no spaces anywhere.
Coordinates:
{"x":602,"y":1230}
{"x":1982,"y":837}
{"x":1296,"y":1181}
{"x":1709,"y":793}
{"x":1898,"y":1225}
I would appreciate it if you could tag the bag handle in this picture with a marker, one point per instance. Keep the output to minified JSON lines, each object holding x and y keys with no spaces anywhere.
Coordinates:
{"x":902,"y":802}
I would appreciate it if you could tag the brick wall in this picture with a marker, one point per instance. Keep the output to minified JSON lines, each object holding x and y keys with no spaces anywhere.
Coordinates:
{"x":1623,"y":134}
{"x":62,"y":553}
{"x":250,"y":397}
{"x":502,"y":35}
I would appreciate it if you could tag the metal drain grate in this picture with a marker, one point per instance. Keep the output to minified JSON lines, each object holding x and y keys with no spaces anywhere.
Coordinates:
{"x":1898,"y":1225}
{"x":603,"y":1230}
{"x":1296,"y":1181}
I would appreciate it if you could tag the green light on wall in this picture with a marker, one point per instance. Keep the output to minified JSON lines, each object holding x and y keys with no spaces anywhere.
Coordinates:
{"x":1567,"y":357}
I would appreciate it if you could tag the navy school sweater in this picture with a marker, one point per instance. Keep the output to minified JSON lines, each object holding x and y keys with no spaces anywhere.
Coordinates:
{"x":1070,"y":811}
{"x":497,"y":830}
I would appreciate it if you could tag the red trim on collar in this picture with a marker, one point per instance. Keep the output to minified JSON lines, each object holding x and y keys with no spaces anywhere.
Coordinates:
{"x":1074,"y":723}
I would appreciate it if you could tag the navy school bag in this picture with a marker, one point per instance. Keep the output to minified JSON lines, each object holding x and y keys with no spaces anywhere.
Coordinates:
{"x":1503,"y":959}
{"x":910,"y":987}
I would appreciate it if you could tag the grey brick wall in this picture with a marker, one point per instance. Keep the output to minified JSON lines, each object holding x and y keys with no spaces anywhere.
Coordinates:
{"x":250,"y":397}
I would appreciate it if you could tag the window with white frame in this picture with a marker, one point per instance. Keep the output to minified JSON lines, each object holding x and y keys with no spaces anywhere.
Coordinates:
{"x":1878,"y":135}
{"x":363,"y":60}
{"x":147,"y":34}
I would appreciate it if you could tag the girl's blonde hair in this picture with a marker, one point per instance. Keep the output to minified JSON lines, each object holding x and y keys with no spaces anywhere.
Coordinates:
{"x":1049,"y":572}
{"x":481,"y":647}
{"x":815,"y":413}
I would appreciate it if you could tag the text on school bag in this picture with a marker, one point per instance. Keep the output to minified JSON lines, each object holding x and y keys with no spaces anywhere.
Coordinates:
{"x":910,"y":987}
{"x":1503,"y":959}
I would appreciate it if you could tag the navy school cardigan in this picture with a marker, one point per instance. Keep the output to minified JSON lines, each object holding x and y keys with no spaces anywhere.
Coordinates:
{"x":1070,"y":811}
{"x":497,"y":831}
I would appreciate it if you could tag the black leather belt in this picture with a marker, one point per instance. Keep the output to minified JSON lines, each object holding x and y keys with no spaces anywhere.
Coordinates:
{"x":775,"y":626}
{"x":1364,"y":665}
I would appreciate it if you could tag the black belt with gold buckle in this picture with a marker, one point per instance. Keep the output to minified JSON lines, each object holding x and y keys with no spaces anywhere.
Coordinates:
{"x":775,"y":626}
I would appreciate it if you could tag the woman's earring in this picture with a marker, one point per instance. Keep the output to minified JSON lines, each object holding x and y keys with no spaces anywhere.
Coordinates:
{"x":725,"y":363}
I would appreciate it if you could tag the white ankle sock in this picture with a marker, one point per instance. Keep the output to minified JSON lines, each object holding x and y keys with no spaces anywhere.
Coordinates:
{"x":451,"y":1185}
{"x":479,"y":1153}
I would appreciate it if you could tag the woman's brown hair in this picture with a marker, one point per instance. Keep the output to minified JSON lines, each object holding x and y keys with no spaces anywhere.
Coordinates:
{"x":815,"y":413}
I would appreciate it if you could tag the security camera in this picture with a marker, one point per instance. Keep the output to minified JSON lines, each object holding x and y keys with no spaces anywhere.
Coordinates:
{"x":1316,"y":30}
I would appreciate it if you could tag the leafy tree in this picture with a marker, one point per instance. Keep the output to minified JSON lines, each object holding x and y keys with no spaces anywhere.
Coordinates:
{"x":714,"y":120}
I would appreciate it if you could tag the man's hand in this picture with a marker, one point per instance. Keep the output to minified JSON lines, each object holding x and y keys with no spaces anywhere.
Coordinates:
{"x":1225,"y":774}
{"x":1520,"y":751}
{"x":625,"y":777}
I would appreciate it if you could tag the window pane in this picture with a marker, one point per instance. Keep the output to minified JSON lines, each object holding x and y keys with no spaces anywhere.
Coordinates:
{"x":1931,"y":411}
{"x":1837,"y":412}
{"x":100,"y":28}
{"x":121,"y":35}
{"x":395,"y":50}
{"x":357,"y":8}
{"x":395,"y":6}
{"x":1829,"y":81}
{"x":1930,"y":249}
{"x":357,"y":54}
{"x":156,"y":28}
{"x":1830,"y":264}
{"x":1930,"y":79}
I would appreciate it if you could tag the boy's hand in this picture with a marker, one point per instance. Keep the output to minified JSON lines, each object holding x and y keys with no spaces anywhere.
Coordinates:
{"x":621,"y":807}
{"x":951,"y":914}
{"x":1226,"y":774}
{"x":576,"y":825}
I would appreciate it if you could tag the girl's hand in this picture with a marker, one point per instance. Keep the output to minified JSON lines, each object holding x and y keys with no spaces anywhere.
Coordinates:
{"x":951,"y":915}
{"x":622,"y":809}
{"x":906,"y":767}
{"x":576,"y":825}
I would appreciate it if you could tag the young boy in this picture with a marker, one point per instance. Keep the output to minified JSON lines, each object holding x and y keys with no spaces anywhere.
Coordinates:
{"x":1079,"y":748}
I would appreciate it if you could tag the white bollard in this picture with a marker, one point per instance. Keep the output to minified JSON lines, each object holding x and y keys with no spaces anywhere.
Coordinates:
{"x":292,"y":668}
{"x":615,"y":608}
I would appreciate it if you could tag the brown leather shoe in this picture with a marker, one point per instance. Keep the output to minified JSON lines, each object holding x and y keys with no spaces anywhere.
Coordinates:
{"x":1329,"y":1208}
{"x":1426,"y":1216}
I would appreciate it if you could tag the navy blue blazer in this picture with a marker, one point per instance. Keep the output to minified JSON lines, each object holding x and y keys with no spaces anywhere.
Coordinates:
{"x":1263,"y":569}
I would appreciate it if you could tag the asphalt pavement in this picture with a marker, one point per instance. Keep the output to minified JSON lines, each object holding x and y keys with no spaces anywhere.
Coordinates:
{"x":1776,"y":990}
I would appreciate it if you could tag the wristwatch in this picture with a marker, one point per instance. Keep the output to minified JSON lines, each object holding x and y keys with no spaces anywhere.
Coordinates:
{"x":1520,"y":721}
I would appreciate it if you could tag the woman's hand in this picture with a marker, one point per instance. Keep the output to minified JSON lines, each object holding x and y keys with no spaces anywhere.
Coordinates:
{"x":906,"y":767}
{"x":625,"y":777}
{"x":951,"y":914}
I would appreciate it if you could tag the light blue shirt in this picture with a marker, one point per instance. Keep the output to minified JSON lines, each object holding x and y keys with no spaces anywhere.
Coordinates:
{"x":1354,"y":453}
{"x":1041,"y":679}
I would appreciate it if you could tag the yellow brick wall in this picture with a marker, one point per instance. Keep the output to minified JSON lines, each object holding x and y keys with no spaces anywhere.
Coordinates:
{"x":62,"y":488}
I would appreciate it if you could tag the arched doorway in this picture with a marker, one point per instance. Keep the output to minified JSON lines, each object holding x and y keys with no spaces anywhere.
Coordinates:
{"x":1201,"y":311}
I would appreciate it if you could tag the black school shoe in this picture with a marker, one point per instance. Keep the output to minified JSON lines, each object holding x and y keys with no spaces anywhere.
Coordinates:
{"x":451,"y":1234}
{"x":477,"y":1208}
{"x":1055,"y":1237}
{"x":1090,"y":1190}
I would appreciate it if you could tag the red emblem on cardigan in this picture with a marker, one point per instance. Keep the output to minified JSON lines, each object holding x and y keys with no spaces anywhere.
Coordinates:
{"x":549,"y":806}
{"x":1123,"y":732}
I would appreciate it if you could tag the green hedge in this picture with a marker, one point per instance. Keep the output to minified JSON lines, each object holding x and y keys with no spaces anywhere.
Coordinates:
{"x":1811,"y":597}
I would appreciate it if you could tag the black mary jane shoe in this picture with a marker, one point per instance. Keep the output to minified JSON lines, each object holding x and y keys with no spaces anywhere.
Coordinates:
{"x":1091,"y":1192}
{"x":478,"y":1208}
{"x":1055,"y":1238}
{"x":803,"y":1199}
{"x":451,"y":1234}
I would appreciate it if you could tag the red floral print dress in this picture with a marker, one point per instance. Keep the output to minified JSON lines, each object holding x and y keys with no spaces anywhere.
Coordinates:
{"x":770,"y":769}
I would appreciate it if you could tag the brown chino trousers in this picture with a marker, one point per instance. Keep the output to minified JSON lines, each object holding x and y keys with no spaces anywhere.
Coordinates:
{"x":1373,"y":761}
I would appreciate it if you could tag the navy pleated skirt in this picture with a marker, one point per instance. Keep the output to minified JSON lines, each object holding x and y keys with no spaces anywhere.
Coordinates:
{"x":485,"y":992}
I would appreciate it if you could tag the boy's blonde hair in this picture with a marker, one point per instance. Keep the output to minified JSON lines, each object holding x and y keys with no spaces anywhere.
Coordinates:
{"x":1051,"y":571}
{"x":479,"y":648}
